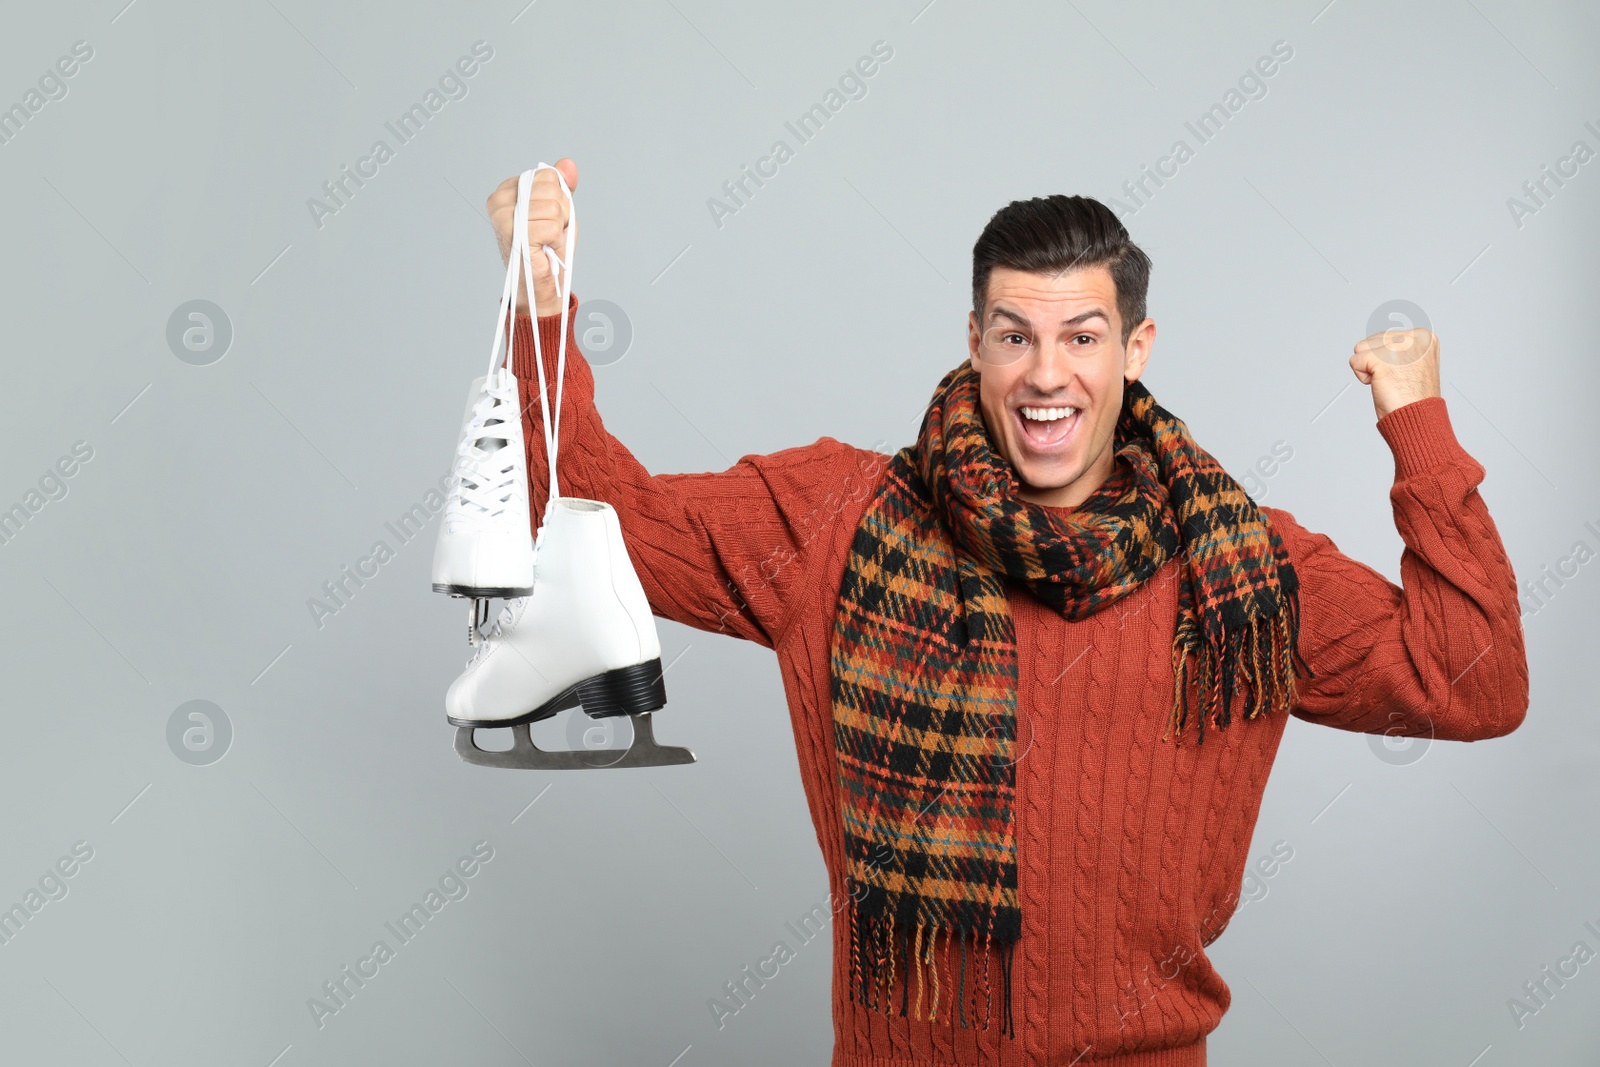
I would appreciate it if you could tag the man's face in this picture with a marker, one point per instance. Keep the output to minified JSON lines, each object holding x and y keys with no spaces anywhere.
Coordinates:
{"x":1078,"y":361}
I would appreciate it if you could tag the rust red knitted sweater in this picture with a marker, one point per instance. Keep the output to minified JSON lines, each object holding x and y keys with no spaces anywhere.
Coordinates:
{"x":1130,"y":850}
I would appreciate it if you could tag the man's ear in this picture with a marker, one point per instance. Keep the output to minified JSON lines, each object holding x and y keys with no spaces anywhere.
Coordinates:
{"x":1136,"y":354}
{"x":973,"y":338}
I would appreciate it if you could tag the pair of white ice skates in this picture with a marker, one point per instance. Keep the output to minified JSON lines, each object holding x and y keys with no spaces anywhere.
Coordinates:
{"x":576,"y":629}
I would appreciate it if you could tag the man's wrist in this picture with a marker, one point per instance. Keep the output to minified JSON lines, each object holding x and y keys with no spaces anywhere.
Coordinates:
{"x":547,"y":318}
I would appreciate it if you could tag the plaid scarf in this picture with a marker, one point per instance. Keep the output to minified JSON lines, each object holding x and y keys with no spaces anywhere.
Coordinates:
{"x":924,"y":663}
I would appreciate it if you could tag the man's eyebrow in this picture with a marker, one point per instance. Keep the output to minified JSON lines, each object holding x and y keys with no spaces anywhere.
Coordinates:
{"x":1076,"y":320}
{"x":1092,"y":313}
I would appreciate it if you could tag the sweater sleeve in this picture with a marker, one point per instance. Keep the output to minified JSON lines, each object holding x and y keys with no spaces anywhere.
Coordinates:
{"x":1440,"y":655}
{"x":726,"y":552}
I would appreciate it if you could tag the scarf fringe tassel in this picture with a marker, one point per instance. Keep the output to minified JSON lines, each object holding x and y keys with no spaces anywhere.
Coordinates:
{"x":882,"y":950}
{"x":1253,"y":657}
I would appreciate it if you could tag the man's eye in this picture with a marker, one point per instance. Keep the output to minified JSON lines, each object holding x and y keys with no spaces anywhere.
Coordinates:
{"x":1013,"y":339}
{"x":1086,"y":338}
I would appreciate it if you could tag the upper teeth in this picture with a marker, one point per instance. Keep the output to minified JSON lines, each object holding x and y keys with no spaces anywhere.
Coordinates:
{"x":1048,"y":414}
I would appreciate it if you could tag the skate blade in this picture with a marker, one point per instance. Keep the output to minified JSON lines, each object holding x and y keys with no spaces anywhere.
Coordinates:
{"x":525,"y":755}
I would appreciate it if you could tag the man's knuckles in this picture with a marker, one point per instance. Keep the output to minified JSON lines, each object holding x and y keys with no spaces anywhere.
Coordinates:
{"x":1416,"y":339}
{"x":1398,"y":348}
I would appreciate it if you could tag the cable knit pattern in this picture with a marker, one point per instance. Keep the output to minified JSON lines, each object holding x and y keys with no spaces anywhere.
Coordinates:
{"x":1131,"y":850}
{"x":1039,"y":722}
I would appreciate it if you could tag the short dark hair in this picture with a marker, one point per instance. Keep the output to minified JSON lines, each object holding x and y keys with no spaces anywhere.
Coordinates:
{"x":1053,"y":234}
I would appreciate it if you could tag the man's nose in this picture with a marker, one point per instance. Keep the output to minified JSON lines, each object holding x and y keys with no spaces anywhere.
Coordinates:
{"x":1049,"y":367}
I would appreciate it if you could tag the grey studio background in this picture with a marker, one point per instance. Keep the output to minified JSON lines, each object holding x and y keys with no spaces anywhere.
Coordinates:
{"x":228,"y":479}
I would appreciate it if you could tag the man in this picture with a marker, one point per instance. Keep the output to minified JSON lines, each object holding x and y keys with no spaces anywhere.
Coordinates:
{"x":1038,"y":664}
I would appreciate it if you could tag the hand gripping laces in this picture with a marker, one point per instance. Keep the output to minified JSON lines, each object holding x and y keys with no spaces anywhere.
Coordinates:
{"x":490,"y":482}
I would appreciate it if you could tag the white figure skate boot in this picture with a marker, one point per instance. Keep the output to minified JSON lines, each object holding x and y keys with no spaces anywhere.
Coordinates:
{"x":584,"y":637}
{"x":485,"y":544}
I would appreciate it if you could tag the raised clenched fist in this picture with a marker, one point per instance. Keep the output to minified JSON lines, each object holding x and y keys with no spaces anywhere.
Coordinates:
{"x":548,"y":216}
{"x":1402,"y":366}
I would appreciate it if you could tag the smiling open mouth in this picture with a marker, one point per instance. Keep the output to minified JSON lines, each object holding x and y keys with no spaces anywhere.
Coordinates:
{"x":1047,"y":428}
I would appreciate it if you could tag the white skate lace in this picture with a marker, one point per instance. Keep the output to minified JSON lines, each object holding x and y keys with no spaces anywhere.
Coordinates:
{"x":488,"y":479}
{"x":562,"y":271}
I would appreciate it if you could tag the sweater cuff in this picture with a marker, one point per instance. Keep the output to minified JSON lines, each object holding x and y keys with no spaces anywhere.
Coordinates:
{"x":1421,"y":438}
{"x":522,"y":364}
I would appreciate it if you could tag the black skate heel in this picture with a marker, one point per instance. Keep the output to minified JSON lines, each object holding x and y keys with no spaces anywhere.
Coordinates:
{"x":625,"y":691}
